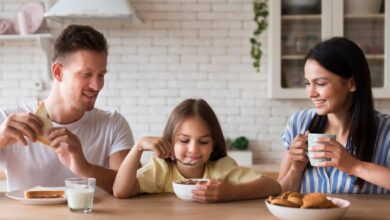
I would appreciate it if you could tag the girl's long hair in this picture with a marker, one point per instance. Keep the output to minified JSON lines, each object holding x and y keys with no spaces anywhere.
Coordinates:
{"x":197,"y":108}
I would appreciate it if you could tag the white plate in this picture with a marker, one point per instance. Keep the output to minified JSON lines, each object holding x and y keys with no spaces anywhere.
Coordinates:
{"x":282,"y":212}
{"x":19,"y":195}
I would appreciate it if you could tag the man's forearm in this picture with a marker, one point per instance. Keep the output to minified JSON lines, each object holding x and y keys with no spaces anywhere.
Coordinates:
{"x":104,"y":177}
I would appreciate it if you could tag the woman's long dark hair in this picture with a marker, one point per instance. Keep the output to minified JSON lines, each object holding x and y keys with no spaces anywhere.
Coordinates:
{"x":344,"y":58}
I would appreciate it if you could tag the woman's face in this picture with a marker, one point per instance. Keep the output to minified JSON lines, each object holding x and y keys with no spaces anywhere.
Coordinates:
{"x":193,"y":144}
{"x":329,"y":92}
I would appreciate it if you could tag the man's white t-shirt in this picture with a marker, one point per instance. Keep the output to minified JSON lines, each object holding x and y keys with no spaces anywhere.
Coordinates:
{"x":101,"y":134}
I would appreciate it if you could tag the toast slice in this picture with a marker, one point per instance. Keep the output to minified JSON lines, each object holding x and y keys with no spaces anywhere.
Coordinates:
{"x":42,"y":114}
{"x":40,"y":192}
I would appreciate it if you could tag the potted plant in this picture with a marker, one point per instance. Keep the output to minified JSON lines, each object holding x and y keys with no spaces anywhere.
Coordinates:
{"x":239,"y":150}
{"x":260,"y":10}
{"x":240,"y":143}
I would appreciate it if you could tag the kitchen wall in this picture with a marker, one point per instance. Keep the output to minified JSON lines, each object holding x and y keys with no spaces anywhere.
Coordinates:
{"x":183,"y":49}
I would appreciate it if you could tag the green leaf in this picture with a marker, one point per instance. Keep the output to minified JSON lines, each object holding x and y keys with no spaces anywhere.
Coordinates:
{"x":260,"y":10}
{"x":241,"y":143}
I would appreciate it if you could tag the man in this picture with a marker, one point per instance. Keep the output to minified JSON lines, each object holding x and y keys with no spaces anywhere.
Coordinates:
{"x":85,"y":141}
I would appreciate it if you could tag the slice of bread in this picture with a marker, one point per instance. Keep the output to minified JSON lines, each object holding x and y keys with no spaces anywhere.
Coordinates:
{"x":40,"y":192}
{"x":42,"y":114}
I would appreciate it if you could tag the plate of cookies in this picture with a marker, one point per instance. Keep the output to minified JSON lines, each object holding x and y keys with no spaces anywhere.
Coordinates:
{"x":295,"y":205}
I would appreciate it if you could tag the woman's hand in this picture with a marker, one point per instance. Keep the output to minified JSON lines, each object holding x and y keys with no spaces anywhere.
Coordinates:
{"x":297,"y":153}
{"x":338,"y":155}
{"x":213,"y":191}
{"x":160,"y":147}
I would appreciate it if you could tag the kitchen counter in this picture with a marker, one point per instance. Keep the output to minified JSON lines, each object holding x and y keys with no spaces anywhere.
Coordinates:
{"x":270,"y":170}
{"x":168,"y":206}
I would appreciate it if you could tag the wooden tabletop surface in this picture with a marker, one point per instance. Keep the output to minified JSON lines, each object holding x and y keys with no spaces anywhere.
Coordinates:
{"x":168,"y":206}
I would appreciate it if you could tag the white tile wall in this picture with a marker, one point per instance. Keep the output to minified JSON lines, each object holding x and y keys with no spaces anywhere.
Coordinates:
{"x":183,"y":49}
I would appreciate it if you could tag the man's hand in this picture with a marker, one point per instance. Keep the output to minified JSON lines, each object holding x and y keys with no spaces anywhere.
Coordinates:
{"x":18,"y":126}
{"x":69,"y":150}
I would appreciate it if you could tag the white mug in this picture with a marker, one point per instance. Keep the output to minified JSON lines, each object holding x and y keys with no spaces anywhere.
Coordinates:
{"x":313,"y":137}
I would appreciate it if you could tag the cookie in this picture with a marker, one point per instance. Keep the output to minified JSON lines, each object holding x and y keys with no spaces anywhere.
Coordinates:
{"x":283,"y":202}
{"x":270,"y":198}
{"x":315,"y":200}
{"x":285,"y":195}
{"x":295,"y":200}
{"x":296,"y":194}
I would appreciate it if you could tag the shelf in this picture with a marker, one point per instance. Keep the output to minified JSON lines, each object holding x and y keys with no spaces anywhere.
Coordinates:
{"x":44,"y":42}
{"x":375,"y":56}
{"x":25,"y":37}
{"x":301,"y":17}
{"x":366,"y":16}
{"x":293,"y":57}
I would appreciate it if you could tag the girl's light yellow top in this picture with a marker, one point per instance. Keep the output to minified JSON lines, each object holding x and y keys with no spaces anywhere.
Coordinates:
{"x":158,"y":174}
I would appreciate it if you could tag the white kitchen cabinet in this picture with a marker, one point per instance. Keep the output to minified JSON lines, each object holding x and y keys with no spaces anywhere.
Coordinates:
{"x":294,"y":30}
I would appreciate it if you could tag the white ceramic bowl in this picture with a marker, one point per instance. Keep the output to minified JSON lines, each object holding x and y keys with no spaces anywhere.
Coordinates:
{"x":184,"y":191}
{"x":282,"y":212}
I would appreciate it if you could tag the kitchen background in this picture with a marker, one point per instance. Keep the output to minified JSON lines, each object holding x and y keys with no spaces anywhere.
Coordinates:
{"x":182,"y":49}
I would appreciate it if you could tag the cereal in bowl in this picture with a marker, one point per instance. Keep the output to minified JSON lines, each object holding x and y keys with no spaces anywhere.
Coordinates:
{"x":191,"y":182}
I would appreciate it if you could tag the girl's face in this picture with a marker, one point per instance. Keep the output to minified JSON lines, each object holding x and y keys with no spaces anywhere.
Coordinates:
{"x":329,"y":92}
{"x":193,"y":145}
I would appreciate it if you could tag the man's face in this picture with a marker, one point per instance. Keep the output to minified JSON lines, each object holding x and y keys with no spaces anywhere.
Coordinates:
{"x":82,"y":78}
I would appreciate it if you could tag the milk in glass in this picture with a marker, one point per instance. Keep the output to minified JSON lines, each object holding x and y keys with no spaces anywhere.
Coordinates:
{"x":79,"y":193}
{"x":80,"y":199}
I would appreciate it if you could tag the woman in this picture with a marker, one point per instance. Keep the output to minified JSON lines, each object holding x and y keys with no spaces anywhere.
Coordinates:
{"x":338,"y":82}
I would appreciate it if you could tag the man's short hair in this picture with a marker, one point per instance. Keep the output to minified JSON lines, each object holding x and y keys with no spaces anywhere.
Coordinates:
{"x":77,"y":37}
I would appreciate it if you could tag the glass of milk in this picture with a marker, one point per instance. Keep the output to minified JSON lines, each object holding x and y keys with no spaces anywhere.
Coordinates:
{"x":79,"y":193}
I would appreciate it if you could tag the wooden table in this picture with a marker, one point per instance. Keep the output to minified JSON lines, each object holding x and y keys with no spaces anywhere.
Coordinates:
{"x":167,"y":206}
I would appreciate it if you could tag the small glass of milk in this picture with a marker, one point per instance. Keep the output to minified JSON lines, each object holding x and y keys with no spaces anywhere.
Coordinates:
{"x":79,"y":193}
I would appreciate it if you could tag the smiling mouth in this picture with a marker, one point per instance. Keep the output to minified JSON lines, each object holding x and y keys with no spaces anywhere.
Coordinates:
{"x":90,"y":96}
{"x":318,"y":102}
{"x":190,"y":163}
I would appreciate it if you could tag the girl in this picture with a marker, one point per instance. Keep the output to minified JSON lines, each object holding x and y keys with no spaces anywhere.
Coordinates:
{"x":192,"y":146}
{"x":338,"y":83}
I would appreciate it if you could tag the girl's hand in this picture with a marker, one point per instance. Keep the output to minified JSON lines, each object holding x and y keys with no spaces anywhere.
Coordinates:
{"x":160,"y":147}
{"x":333,"y":150}
{"x":297,"y":152}
{"x":212,"y":191}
